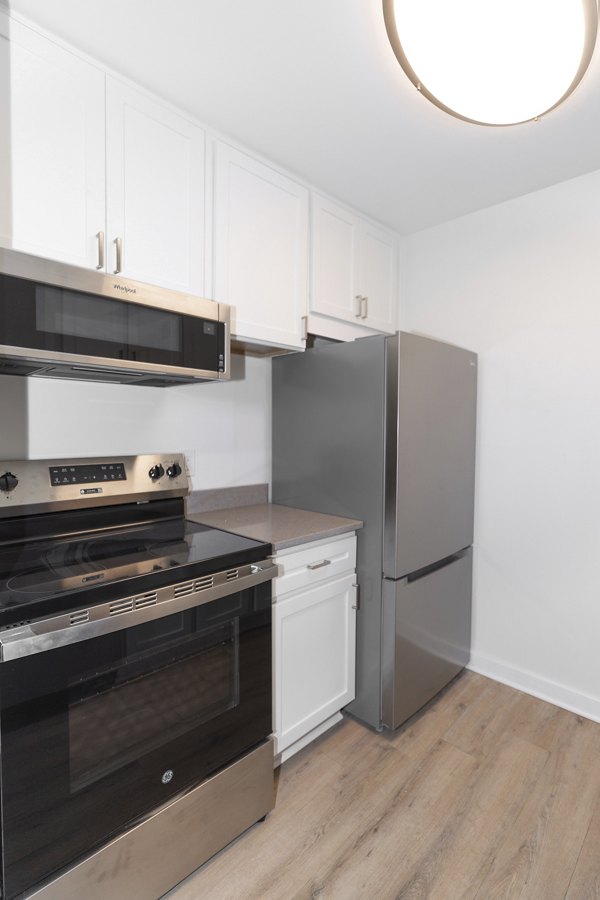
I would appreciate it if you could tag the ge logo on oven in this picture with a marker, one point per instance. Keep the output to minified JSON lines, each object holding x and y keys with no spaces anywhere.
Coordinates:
{"x":167,"y":776}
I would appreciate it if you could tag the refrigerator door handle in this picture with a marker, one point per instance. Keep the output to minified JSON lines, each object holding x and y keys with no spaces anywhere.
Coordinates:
{"x":434,"y":567}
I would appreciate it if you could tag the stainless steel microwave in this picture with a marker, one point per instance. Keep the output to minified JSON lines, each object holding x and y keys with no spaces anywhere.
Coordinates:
{"x":60,"y":321}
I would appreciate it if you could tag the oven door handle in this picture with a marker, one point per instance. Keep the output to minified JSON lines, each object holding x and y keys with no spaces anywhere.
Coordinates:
{"x":41,"y":635}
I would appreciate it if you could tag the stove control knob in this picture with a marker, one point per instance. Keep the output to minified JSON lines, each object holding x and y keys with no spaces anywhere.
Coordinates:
{"x":174,"y":470}
{"x":8,"y":482}
{"x":156,"y":472}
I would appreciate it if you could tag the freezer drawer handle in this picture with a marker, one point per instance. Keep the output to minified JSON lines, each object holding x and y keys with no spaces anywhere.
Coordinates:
{"x":436,"y":566}
{"x":319,"y":565}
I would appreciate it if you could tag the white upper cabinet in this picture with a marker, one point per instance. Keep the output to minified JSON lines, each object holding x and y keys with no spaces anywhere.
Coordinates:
{"x":99,"y":174}
{"x":79,"y":164}
{"x":155,"y":191}
{"x":260,"y":249}
{"x":51,"y":148}
{"x":354,"y":267}
{"x":379,"y":277}
{"x":335,"y":257}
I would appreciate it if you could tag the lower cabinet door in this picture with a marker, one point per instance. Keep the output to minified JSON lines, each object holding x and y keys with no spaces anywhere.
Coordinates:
{"x":314,"y":634}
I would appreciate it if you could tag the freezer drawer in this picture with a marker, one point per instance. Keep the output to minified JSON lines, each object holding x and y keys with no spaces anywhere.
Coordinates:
{"x":426,"y":635}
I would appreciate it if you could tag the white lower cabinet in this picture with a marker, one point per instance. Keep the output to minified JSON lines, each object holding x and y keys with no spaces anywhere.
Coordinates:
{"x":314,"y":640}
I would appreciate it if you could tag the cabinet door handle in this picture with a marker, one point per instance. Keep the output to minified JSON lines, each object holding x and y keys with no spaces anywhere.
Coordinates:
{"x":319,"y":565}
{"x":356,"y":604}
{"x":364,"y":307}
{"x":100,"y":237}
{"x":304,"y":320}
{"x":119,"y":254}
{"x":358,"y":306}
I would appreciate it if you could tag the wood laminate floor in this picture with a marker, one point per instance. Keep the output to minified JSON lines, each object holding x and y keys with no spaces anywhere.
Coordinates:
{"x":487,"y":794}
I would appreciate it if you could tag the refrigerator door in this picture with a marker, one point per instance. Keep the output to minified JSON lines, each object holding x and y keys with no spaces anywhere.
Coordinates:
{"x":426,"y":634}
{"x":431,"y":394}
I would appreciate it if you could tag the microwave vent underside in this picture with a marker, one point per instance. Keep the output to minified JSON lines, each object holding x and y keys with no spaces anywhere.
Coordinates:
{"x":89,"y":373}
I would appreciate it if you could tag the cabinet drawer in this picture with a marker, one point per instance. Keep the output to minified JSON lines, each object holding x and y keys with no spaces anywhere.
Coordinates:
{"x":313,"y":563}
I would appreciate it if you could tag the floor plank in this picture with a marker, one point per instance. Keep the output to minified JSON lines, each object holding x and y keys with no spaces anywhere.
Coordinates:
{"x":408,"y":820}
{"x":585,"y":884}
{"x":539,"y":856}
{"x":478,"y":826}
{"x":487,"y":794}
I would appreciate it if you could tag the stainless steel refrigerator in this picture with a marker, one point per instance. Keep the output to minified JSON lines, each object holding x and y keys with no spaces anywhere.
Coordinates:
{"x":383,"y":429}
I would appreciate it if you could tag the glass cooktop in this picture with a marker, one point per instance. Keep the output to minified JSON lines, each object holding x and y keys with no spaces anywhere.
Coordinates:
{"x":49,"y":575}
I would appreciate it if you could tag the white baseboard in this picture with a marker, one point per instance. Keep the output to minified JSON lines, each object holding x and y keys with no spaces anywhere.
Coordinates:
{"x":543,"y":688}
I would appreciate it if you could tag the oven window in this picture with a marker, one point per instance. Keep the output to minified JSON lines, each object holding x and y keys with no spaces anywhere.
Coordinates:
{"x":154,"y":697}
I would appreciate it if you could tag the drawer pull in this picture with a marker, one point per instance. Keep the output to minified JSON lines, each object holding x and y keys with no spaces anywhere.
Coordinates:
{"x":319,"y":565}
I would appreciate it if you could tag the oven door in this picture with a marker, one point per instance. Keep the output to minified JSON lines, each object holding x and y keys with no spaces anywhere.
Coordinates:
{"x":98,"y":733}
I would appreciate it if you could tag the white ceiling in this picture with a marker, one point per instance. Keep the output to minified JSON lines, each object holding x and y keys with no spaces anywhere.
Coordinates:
{"x":314,"y":86}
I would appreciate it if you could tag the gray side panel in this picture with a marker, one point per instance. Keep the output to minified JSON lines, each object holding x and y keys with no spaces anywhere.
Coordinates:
{"x":426,"y":636}
{"x":430,"y":492}
{"x":328,"y":435}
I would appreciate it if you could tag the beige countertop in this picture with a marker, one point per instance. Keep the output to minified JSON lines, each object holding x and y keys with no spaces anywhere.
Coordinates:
{"x":281,"y":526}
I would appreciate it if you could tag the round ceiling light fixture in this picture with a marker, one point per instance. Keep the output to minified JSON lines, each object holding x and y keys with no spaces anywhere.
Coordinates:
{"x":493,"y":63}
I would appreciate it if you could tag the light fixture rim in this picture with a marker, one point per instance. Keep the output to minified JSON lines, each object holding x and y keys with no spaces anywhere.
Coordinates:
{"x":590,"y":12}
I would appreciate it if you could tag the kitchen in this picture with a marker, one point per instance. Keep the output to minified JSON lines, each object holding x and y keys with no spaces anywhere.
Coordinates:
{"x":513,"y":281}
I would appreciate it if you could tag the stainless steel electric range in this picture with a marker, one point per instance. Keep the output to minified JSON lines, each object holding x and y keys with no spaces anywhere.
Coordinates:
{"x":135,"y":680}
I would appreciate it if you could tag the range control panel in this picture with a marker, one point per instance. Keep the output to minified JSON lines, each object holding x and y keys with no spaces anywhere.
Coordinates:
{"x":28,"y":486}
{"x":87,"y":474}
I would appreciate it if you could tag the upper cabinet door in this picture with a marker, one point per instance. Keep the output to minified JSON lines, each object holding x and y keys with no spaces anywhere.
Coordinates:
{"x":379,"y":277}
{"x":155,"y":191}
{"x":260,"y":249}
{"x":354,"y":268}
{"x":51,"y":148}
{"x":336,"y":233}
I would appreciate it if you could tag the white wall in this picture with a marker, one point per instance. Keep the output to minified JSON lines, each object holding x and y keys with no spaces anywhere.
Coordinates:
{"x":520,"y":284}
{"x":228,"y":426}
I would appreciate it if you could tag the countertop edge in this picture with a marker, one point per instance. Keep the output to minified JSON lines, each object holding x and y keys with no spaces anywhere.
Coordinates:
{"x":269,"y":520}
{"x":309,"y":538}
